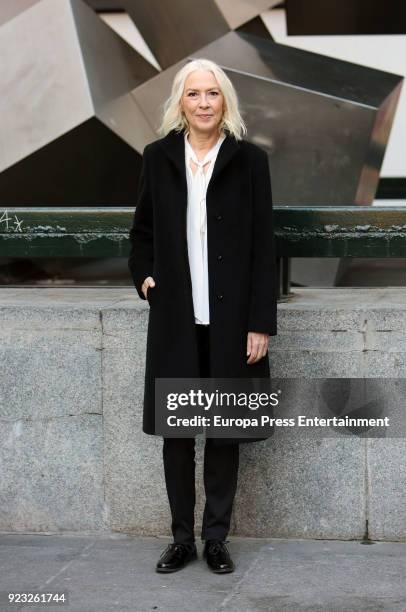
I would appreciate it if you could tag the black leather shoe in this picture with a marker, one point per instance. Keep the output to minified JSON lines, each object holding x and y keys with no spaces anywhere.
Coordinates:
{"x":217,"y":556}
{"x":176,"y":556}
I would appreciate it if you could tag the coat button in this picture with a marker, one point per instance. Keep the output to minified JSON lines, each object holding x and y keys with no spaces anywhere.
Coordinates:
{"x":219,"y":217}
{"x":219,"y":257}
{"x":220,"y":296}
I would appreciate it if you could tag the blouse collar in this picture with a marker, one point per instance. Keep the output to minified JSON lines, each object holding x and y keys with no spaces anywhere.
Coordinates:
{"x":209,"y":155}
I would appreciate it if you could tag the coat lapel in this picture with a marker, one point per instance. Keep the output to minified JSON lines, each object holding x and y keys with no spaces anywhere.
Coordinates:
{"x":174,"y":146}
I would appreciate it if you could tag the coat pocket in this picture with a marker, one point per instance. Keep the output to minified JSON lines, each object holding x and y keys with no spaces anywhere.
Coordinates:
{"x":150,"y":294}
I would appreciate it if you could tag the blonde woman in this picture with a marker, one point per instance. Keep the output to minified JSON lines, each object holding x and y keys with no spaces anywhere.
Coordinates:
{"x":202,"y":254}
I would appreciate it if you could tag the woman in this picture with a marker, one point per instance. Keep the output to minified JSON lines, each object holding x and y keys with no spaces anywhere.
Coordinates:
{"x":202,"y":254}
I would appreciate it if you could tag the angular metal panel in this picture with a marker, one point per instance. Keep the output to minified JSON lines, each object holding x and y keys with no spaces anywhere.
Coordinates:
{"x":174,"y":29}
{"x":187,"y":26}
{"x":329,"y":17}
{"x":68,"y":116}
{"x":324,"y":122}
{"x":238,"y":12}
{"x":235,"y":12}
{"x":303,"y":69}
{"x":113,"y":67}
{"x":107,"y":5}
{"x":256,"y":27}
{"x":10,"y":8}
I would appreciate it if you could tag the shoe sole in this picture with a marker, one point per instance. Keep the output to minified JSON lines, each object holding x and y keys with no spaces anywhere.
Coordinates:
{"x":170,"y":570}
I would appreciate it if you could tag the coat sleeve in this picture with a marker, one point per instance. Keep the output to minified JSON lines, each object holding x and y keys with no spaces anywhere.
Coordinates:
{"x":140,"y":260}
{"x":263,"y":303}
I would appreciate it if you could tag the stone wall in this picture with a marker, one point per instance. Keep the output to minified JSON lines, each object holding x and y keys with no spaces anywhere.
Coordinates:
{"x":73,"y":456}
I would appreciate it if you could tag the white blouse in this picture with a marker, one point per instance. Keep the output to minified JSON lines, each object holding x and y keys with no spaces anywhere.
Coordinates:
{"x":197,"y":227}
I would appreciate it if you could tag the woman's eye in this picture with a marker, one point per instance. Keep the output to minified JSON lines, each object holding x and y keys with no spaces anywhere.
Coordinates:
{"x":193,"y":93}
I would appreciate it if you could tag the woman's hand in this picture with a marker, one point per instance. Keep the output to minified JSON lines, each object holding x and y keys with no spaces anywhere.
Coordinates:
{"x":257,"y":346}
{"x":148,"y":282}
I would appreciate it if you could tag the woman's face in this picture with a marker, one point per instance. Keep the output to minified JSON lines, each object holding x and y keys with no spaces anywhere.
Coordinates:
{"x":202,"y":101}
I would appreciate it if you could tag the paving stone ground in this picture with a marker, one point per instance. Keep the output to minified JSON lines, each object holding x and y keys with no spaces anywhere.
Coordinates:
{"x":108,"y":572}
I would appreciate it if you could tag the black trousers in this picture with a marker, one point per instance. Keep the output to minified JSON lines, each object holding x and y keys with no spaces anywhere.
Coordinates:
{"x":220,"y":475}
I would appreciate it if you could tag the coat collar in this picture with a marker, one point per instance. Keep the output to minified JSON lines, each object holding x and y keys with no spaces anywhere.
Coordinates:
{"x":174,"y":146}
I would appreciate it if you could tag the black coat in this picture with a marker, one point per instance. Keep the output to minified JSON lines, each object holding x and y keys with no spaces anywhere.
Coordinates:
{"x":242,"y":283}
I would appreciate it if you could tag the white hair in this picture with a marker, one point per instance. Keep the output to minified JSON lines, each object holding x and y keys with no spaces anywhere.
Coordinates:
{"x":174,"y":119}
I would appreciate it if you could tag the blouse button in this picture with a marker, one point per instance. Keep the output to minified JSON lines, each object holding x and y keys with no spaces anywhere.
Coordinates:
{"x":220,"y":296}
{"x":219,"y":217}
{"x":219,"y":257}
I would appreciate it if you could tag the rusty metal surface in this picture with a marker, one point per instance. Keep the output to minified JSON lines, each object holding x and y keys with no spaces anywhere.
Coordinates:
{"x":300,"y":232}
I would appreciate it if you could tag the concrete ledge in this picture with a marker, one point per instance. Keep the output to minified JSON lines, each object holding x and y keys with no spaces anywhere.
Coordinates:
{"x":73,"y":456}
